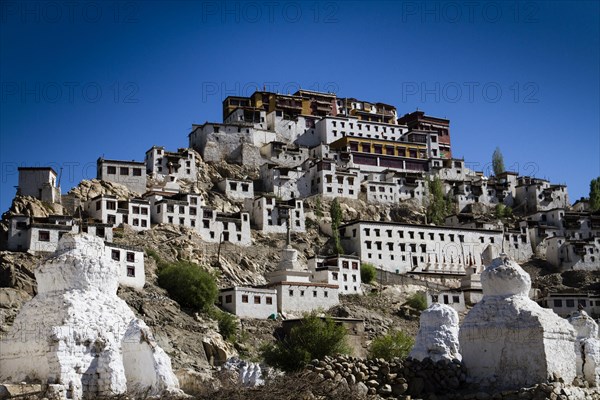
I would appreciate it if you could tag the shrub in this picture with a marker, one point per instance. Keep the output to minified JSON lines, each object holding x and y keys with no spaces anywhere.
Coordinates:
{"x":314,"y":337}
{"x":367,"y":272}
{"x":417,"y":301}
{"x":391,"y":345}
{"x":228,"y":324}
{"x":188,"y":284}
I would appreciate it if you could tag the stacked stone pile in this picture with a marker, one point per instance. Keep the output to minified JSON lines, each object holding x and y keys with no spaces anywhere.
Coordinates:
{"x":413,"y":379}
{"x":393,"y":378}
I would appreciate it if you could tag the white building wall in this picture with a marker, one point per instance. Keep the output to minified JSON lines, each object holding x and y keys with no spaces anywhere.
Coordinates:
{"x":237,"y":189}
{"x":131,"y":264}
{"x":404,"y":248}
{"x":268,"y":216}
{"x":40,"y":183}
{"x":248,"y":302}
{"x":108,"y":210}
{"x":298,"y":298}
{"x":455,"y":300}
{"x":18,"y":227}
{"x":130,"y":174}
{"x":344,"y":273}
{"x":166,"y":165}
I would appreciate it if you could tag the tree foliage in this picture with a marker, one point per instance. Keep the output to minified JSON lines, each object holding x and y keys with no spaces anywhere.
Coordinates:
{"x":314,"y":337}
{"x":417,"y":301}
{"x":498,"y":162}
{"x":595,"y":194}
{"x":188,"y":284}
{"x":367,"y":272}
{"x":391,"y":345}
{"x":439,"y":206}
{"x":336,"y":219}
{"x":502,"y":211}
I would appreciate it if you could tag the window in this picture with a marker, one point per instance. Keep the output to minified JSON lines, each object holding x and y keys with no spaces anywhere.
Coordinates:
{"x":123,"y":171}
{"x":137,"y":172}
{"x":314,"y":293}
{"x":256,"y":299}
{"x":301,"y":293}
{"x":291,"y":293}
{"x":130,"y":256}
{"x":570,"y":303}
{"x":269,"y":300}
{"x":130,"y":271}
{"x":228,"y":299}
{"x":326,"y":294}
{"x":111,"y":205}
{"x":455,"y":299}
{"x":44,"y":236}
{"x":334,"y":276}
{"x":115,"y":255}
{"x":558,"y":303}
{"x":111,"y":170}
{"x":244,"y":298}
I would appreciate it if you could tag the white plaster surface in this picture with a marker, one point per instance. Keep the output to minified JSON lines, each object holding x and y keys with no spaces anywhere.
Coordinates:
{"x":509,"y":341}
{"x":438,"y":334}
{"x":77,"y":333}
{"x":588,"y":347}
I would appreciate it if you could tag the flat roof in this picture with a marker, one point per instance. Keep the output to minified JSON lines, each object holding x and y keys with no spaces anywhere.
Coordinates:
{"x":360,"y":221}
{"x":106,"y":160}
{"x":37,"y":169}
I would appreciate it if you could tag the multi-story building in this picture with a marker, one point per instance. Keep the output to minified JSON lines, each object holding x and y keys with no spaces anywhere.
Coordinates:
{"x":574,"y":254}
{"x":417,"y":121}
{"x":237,"y":189}
{"x":110,"y":210}
{"x":187,"y":210}
{"x":168,"y":165}
{"x":534,"y":194}
{"x":271,"y":215}
{"x":285,"y":183}
{"x":131,"y":174}
{"x":41,"y":234}
{"x":131,"y":263}
{"x":283,"y":154}
{"x":565,"y":303}
{"x":341,"y":270}
{"x":39,"y":182}
{"x":418,"y":249}
{"x":331,"y":181}
{"x":390,"y":187}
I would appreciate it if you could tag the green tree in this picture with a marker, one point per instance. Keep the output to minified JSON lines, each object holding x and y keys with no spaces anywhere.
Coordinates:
{"x":391,"y":345}
{"x":417,"y":301}
{"x":595,"y":194}
{"x":188,"y":284}
{"x":336,"y":219}
{"x":318,"y":208}
{"x":367,"y":272}
{"x":439,"y":206}
{"x":498,"y":162}
{"x":314,"y":337}
{"x":227,"y":323}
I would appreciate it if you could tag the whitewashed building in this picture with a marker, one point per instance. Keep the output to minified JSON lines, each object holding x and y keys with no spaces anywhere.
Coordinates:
{"x":341,"y":270}
{"x":168,"y":165}
{"x":285,"y":183}
{"x":131,"y":264}
{"x":237,"y":189}
{"x":41,"y":235}
{"x":271,"y":215}
{"x":568,"y":302}
{"x":418,"y":249}
{"x":569,"y":254}
{"x":331,"y":181}
{"x":39,"y":182}
{"x":110,"y":210}
{"x":452,"y":298}
{"x":296,"y":293}
{"x":249,"y":302}
{"x":284,"y":154}
{"x":131,"y":174}
{"x":534,"y":194}
{"x":187,"y":210}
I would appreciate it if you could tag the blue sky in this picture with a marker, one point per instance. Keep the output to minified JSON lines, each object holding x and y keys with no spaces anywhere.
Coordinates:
{"x":82,"y":80}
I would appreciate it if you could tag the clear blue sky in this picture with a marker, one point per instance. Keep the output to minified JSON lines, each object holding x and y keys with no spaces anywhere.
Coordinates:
{"x":114,"y":78}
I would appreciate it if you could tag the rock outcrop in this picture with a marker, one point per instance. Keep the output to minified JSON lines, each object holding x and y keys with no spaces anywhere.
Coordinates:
{"x":77,"y":334}
{"x":438,"y":334}
{"x":508,"y":340}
